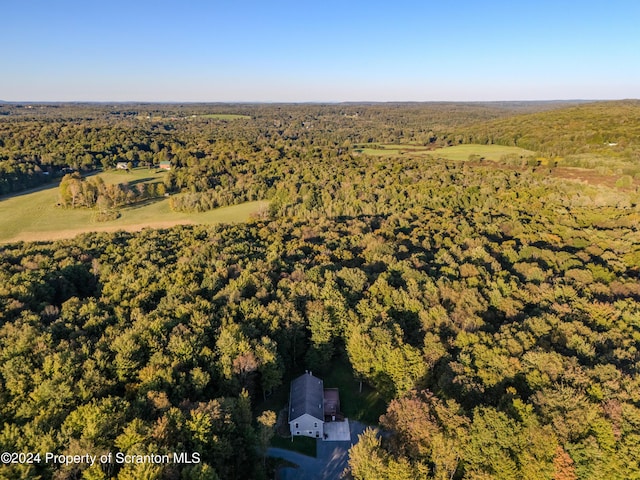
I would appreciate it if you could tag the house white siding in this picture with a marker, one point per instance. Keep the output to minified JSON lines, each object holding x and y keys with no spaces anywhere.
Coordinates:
{"x":306,"y":406}
{"x":307,"y":425}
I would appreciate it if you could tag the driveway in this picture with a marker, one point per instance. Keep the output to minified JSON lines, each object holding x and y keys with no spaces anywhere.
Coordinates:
{"x":331,"y":458}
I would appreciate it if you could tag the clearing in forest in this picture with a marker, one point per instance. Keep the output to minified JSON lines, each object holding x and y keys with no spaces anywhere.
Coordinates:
{"x":458,"y":152}
{"x":35,"y":216}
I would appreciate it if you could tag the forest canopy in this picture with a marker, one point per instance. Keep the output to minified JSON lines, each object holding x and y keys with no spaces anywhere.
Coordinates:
{"x":495,"y":307}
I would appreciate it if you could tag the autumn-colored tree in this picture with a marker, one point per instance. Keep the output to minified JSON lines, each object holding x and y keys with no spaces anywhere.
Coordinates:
{"x":563,"y":465}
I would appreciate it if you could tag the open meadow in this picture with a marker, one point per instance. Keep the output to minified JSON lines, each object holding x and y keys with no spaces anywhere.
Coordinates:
{"x":36,"y":216}
{"x":458,"y":152}
{"x":488,"y":152}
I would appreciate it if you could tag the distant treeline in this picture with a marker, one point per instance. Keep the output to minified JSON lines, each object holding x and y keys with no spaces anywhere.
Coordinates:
{"x":604,"y":128}
{"x":496,"y":309}
{"x":36,"y":140}
{"x":504,"y":334}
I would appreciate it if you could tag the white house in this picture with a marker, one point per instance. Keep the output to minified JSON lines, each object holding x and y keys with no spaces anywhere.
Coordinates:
{"x":306,"y":406}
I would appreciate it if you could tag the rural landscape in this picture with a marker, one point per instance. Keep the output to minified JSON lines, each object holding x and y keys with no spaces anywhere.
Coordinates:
{"x":467,"y":275}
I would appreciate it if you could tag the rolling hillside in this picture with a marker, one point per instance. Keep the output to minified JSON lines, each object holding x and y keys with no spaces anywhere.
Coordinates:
{"x":603,"y":128}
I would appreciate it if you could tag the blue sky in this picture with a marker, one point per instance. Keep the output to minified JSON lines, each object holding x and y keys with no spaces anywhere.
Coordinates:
{"x":295,"y":51}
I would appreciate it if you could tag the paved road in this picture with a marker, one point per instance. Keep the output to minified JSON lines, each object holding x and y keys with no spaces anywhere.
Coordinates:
{"x":306,"y":465}
{"x":331,"y":458}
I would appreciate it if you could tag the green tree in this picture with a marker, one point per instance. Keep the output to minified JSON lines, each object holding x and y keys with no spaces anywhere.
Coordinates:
{"x":266,"y":423}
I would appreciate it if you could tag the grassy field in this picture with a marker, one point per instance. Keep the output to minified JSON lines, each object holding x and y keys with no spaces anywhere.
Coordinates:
{"x":35,"y":216}
{"x":586,"y":168}
{"x":458,"y":152}
{"x":391,"y":150}
{"x":488,"y":152}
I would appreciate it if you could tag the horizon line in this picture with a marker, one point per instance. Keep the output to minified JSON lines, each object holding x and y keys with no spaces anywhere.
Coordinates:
{"x":303,"y":102}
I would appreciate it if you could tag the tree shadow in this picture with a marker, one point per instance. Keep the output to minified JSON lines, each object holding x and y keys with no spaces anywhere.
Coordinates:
{"x":140,"y":180}
{"x":143,"y":203}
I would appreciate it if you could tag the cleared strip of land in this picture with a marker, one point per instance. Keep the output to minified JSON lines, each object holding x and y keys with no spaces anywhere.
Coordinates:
{"x":458,"y":152}
{"x":607,"y":171}
{"x":488,"y":152}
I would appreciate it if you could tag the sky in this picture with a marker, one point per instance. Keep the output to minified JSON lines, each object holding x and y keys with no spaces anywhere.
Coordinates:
{"x":318,"y":50}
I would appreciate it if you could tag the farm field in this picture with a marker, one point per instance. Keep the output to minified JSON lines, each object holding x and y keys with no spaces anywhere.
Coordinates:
{"x":458,"y":152}
{"x":488,"y":152}
{"x":36,"y":216}
{"x":602,"y":170}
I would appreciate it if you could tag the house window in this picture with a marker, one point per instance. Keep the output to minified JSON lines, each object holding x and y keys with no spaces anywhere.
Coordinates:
{"x":297,"y":425}
{"x":315,"y":424}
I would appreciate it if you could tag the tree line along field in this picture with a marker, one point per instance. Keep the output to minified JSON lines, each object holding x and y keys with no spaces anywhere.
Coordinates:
{"x":39,"y":216}
{"x":493,"y":305}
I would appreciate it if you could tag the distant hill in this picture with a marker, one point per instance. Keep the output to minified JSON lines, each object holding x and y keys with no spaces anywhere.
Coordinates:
{"x":609,"y":128}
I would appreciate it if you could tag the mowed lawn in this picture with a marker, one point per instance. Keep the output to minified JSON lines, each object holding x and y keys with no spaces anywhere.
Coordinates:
{"x":36,"y":216}
{"x":458,"y":152}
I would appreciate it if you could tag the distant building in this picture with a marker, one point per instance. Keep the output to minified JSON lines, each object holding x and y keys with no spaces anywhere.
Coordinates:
{"x":122,"y":166}
{"x":165,"y":165}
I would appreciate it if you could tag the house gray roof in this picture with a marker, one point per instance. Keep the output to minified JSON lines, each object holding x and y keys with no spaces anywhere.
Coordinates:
{"x":307,"y":396}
